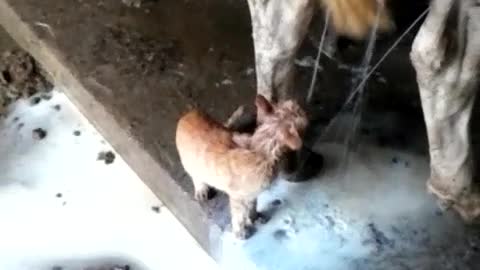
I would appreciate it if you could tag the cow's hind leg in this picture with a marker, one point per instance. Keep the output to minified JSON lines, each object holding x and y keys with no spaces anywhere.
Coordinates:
{"x":447,"y":67}
{"x":278,"y":28}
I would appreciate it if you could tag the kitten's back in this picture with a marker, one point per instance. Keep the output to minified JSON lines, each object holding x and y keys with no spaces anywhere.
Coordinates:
{"x":196,"y":131}
{"x":208,"y":154}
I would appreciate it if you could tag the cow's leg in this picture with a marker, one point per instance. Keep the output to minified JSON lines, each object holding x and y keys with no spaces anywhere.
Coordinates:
{"x":447,"y":77}
{"x":278,"y":28}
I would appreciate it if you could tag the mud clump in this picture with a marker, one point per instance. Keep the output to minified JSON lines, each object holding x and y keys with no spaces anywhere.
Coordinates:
{"x":156,"y":209}
{"x":46,"y":96}
{"x":35,"y":100}
{"x":276,"y":202}
{"x":107,"y":156}
{"x":280,"y":235}
{"x":39,"y":134}
{"x":20,"y":77}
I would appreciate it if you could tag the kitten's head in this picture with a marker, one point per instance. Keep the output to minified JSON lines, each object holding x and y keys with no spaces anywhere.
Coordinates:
{"x":286,"y":120}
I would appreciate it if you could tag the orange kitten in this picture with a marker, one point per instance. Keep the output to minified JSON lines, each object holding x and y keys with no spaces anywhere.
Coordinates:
{"x":241,"y":165}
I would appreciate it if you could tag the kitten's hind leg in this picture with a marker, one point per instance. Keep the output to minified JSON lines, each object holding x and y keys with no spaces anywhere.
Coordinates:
{"x":201,"y":191}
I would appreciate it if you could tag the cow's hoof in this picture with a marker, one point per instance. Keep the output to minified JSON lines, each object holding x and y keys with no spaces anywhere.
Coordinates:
{"x":469,"y":208}
{"x":467,"y":204}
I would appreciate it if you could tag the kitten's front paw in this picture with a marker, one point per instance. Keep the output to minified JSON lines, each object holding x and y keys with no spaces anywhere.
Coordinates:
{"x":257,"y":218}
{"x":244,"y":233}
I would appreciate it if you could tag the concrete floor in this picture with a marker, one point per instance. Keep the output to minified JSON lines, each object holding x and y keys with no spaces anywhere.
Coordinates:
{"x":61,"y":207}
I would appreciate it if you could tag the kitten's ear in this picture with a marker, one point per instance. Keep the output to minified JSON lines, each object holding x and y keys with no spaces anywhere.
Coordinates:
{"x":264,"y":107}
{"x":292,"y":139}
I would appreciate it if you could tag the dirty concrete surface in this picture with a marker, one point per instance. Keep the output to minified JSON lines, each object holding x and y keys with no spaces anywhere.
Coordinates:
{"x":148,"y":65}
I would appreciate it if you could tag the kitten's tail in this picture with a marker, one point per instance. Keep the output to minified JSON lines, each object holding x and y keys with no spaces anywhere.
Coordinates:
{"x":355,"y":18}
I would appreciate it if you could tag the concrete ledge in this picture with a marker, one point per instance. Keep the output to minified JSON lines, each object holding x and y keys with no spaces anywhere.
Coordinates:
{"x":132,"y":72}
